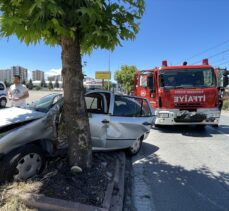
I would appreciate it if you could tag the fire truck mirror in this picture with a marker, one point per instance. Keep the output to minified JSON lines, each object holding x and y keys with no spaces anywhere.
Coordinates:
{"x":150,"y":83}
{"x":225,"y":81}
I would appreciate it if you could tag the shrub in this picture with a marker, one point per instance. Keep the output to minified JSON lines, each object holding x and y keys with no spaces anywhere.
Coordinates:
{"x":226,"y":105}
{"x":38,"y":88}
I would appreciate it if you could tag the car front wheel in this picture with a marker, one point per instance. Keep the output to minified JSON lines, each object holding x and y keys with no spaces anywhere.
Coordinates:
{"x":23,"y":163}
{"x":136,"y":146}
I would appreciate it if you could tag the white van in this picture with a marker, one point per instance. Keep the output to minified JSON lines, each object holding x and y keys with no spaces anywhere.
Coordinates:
{"x":3,"y":95}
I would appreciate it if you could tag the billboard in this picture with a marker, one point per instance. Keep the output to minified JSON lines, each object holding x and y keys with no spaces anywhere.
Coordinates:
{"x":103,"y":75}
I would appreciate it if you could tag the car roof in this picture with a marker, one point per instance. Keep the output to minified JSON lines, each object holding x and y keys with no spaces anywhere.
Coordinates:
{"x":98,"y":90}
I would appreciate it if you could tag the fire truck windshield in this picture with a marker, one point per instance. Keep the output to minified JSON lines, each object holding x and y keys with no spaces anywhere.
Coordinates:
{"x":187,"y":78}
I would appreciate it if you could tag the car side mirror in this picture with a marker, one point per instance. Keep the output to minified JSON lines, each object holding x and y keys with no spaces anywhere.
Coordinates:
{"x":225,"y":81}
{"x":222,"y":89}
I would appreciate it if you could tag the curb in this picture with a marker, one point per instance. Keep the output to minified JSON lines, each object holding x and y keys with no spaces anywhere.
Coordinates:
{"x":118,"y":191}
{"x":50,"y":204}
{"x":113,"y":200}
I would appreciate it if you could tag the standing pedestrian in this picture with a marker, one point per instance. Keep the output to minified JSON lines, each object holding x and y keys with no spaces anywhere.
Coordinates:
{"x":18,"y":93}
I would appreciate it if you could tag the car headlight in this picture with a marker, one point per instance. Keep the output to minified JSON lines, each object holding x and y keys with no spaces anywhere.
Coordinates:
{"x":163,"y":115}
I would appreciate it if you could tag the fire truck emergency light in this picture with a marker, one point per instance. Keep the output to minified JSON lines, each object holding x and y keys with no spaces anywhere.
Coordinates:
{"x":164,"y":63}
{"x":205,"y":61}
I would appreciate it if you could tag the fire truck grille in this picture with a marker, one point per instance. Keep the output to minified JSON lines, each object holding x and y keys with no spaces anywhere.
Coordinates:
{"x":189,"y":118}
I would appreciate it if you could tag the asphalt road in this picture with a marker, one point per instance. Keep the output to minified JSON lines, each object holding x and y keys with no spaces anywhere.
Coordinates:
{"x":183,"y":168}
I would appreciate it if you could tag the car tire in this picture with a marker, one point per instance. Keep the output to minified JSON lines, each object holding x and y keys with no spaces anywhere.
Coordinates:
{"x":3,"y":103}
{"x":135,"y":148}
{"x":22,"y":163}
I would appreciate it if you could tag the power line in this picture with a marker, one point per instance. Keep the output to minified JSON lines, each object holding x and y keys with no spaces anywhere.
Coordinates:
{"x":211,"y":48}
{"x":221,"y":59}
{"x":225,"y":62}
{"x":212,"y":56}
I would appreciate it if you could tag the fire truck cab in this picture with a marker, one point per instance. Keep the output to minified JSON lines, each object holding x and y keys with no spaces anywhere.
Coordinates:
{"x":181,"y":95}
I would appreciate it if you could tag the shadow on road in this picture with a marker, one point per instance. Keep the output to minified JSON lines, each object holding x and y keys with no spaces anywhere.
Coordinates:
{"x":193,"y":131}
{"x":224,"y":128}
{"x":176,"y":188}
{"x":149,"y":149}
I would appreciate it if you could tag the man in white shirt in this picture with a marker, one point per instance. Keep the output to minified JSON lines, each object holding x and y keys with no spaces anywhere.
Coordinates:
{"x":18,"y":93}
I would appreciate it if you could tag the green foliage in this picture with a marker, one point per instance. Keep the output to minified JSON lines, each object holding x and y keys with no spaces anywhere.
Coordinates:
{"x":50,"y":86}
{"x":125,"y":77}
{"x":30,"y":84}
{"x":107,"y":85}
{"x":56,"y":85}
{"x":38,"y":88}
{"x":101,"y":23}
{"x":226,"y":105}
{"x":7,"y":84}
{"x":43,"y":83}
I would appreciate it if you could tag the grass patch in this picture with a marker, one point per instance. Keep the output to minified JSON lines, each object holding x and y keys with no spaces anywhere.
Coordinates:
{"x":9,"y":195}
{"x":226,"y":105}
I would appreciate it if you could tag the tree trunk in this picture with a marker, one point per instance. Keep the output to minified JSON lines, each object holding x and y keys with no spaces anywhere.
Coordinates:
{"x":76,"y":123}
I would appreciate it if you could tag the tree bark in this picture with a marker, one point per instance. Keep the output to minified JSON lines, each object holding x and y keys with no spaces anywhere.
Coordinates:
{"x":76,"y":123}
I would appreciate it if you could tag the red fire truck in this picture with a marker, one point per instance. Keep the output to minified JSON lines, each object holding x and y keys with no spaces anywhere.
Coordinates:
{"x":181,"y":95}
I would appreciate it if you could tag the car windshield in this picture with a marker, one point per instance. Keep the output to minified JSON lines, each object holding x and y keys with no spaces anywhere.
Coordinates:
{"x":187,"y":78}
{"x":45,"y":103}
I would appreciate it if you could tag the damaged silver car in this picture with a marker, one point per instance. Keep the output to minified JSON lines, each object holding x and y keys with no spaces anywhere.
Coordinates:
{"x":28,"y":136}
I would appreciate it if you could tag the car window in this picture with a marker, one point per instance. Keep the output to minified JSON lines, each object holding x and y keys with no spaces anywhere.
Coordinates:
{"x":1,"y":87}
{"x":146,"y":111}
{"x":94,"y":103}
{"x":131,"y":107}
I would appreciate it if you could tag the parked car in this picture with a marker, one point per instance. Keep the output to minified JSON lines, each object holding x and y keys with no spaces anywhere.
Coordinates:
{"x":27,"y":136}
{"x":3,"y":94}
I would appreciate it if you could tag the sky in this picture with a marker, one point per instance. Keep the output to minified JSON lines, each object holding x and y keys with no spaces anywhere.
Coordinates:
{"x":172,"y":30}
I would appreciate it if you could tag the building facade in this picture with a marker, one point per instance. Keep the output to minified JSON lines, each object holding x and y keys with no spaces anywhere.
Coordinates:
{"x":55,"y":77}
{"x":38,"y":75}
{"x":89,"y":83}
{"x":5,"y":75}
{"x":21,"y":71}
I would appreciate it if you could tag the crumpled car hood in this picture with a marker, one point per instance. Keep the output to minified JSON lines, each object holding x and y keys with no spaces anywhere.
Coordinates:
{"x":9,"y":116}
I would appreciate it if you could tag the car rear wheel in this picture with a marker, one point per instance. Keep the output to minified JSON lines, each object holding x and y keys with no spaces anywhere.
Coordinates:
{"x":3,"y":103}
{"x":135,"y":148}
{"x":22,"y":163}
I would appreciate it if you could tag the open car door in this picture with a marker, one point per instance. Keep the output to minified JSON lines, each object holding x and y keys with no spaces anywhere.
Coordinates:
{"x":97,"y":109}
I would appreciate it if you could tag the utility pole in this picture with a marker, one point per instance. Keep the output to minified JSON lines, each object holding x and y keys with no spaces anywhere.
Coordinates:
{"x":109,"y":67}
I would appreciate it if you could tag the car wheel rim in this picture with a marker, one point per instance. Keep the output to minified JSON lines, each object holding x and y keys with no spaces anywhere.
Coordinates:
{"x":136,"y":145}
{"x":28,"y":166}
{"x":3,"y":103}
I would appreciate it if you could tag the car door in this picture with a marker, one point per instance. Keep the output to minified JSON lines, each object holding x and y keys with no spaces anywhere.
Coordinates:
{"x":131,"y":119}
{"x":98,"y":117}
